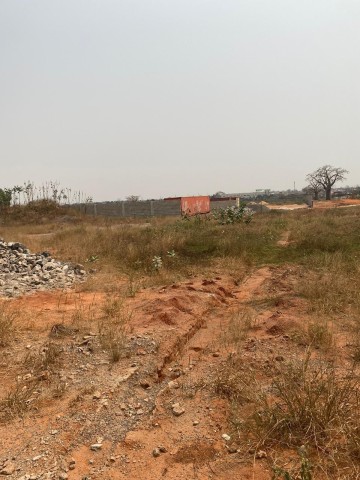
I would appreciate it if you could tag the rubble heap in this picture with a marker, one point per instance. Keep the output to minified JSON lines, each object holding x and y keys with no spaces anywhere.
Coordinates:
{"x":22,"y":271}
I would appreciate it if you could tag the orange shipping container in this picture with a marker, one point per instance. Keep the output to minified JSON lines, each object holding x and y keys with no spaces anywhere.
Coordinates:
{"x":195,"y":205}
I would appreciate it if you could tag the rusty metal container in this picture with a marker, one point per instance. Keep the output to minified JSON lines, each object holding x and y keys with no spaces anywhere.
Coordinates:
{"x":195,"y":205}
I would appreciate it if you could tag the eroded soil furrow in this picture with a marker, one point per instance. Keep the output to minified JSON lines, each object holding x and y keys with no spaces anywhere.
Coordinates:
{"x":176,"y":346}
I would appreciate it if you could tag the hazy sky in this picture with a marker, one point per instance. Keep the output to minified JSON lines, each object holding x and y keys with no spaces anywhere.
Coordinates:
{"x":178,"y":97}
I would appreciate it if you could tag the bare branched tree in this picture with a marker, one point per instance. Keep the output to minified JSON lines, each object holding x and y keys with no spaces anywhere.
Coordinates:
{"x":327,"y":176}
{"x":313,"y":188}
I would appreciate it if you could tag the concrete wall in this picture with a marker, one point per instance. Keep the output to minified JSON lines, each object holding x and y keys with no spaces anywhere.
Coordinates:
{"x":214,"y":204}
{"x":152,"y":208}
{"x":146,"y":208}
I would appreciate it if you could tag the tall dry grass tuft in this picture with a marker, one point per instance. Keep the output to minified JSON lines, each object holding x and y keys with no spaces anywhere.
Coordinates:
{"x":40,"y":367}
{"x":48,"y":357}
{"x":309,"y":401}
{"x":306,"y":402}
{"x":18,"y":400}
{"x":8,"y":316}
{"x":113,"y":326}
{"x":83,"y":314}
{"x":240,"y":323}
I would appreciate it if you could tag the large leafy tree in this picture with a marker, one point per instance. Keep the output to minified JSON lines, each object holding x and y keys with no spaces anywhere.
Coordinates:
{"x":327,"y":176}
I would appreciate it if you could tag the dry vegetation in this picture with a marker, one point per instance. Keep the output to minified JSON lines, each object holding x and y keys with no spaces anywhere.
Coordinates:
{"x":302,"y":410}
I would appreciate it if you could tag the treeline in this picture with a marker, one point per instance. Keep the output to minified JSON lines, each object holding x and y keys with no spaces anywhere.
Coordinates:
{"x":49,"y":191}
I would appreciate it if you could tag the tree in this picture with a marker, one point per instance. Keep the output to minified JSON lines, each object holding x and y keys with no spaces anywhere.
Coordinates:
{"x":313,"y":188}
{"x":16,"y":193}
{"x":5,"y":197}
{"x":133,"y":198}
{"x":327,"y":176}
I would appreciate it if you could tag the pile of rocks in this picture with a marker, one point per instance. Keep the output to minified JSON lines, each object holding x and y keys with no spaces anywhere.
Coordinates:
{"x":22,"y":271}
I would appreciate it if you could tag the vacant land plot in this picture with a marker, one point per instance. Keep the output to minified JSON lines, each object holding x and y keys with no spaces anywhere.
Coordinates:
{"x":192,"y":350}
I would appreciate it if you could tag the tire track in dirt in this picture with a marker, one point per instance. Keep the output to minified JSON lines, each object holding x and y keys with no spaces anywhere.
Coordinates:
{"x":195,"y":348}
{"x":207,"y":320}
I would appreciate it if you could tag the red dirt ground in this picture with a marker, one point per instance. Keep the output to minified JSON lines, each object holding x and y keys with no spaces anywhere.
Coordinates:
{"x":176,"y":341}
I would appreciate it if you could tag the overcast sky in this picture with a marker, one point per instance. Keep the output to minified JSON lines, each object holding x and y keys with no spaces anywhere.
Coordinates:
{"x":178,"y":97}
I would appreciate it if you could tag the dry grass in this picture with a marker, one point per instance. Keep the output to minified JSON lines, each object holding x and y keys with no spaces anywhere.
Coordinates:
{"x":112,"y":327}
{"x":317,"y":333}
{"x":356,"y":346}
{"x":184,"y":247}
{"x":320,"y":334}
{"x":304,"y":402}
{"x":307,"y":402}
{"x":8,"y":316}
{"x":332,"y":286}
{"x":48,"y":357}
{"x":18,"y":400}
{"x":113,"y":341}
{"x":235,"y":381}
{"x":59,"y":389}
{"x":300,"y":469}
{"x":240,"y":323}
{"x":83,"y":315}
{"x":38,"y":368}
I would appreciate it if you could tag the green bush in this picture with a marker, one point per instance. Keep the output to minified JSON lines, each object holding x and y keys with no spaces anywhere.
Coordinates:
{"x":233,"y":214}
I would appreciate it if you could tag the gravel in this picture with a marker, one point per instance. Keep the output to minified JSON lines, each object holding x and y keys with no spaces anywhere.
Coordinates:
{"x":23,"y":272}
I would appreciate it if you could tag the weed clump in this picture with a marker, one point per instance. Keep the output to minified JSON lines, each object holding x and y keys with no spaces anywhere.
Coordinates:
{"x":18,"y":400}
{"x":112,"y":328}
{"x":40,"y":367}
{"x":307,"y":402}
{"x":7,"y":324}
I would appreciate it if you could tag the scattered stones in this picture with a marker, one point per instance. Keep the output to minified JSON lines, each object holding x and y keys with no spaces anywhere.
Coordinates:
{"x":226,"y":437}
{"x":232,"y":450}
{"x":159,"y":450}
{"x":8,"y":468}
{"x":35,"y":459}
{"x":177,"y":409}
{"x":23,"y":272}
{"x":145,"y":384}
{"x":173,"y":385}
{"x":95,"y":447}
{"x":156,"y":452}
{"x":260,"y":454}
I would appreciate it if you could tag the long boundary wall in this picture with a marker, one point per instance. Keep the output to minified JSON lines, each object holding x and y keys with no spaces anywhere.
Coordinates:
{"x":153,"y":208}
{"x":145,"y":208}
